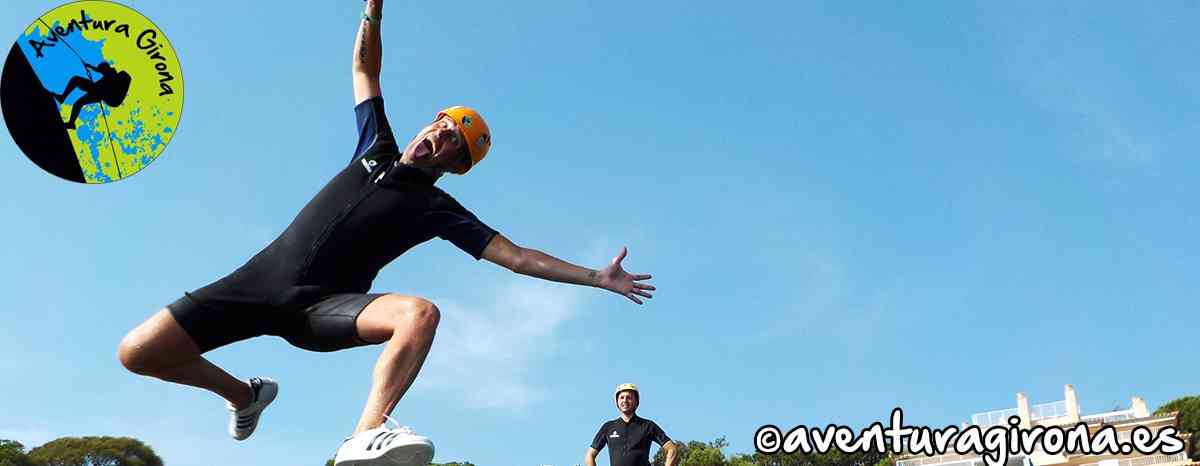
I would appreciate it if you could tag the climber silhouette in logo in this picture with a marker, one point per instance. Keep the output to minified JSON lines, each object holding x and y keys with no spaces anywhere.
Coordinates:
{"x":111,"y":89}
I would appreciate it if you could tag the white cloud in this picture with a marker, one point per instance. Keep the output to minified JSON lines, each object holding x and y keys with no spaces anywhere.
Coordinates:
{"x":1102,"y":102}
{"x":496,"y":344}
{"x":30,"y":437}
{"x":1105,"y":131}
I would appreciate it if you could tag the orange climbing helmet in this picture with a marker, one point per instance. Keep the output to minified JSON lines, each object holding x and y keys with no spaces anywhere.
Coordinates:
{"x":473,"y":129}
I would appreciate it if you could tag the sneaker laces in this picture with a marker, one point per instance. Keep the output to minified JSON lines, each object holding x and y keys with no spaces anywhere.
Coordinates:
{"x":399,"y":428}
{"x":255,"y":386}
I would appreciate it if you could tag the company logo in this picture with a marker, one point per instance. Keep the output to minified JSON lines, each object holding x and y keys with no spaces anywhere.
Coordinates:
{"x":614,"y":434}
{"x":92,"y":91}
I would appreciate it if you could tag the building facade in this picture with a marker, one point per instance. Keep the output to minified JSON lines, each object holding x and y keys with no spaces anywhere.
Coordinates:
{"x":1065,"y":413}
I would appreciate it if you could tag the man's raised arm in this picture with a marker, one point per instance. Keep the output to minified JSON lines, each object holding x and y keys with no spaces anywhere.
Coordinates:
{"x":538,"y":264}
{"x":368,"y":52}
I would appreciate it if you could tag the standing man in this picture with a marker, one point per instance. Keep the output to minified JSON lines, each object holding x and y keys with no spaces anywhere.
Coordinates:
{"x":310,"y":286}
{"x":628,"y":437}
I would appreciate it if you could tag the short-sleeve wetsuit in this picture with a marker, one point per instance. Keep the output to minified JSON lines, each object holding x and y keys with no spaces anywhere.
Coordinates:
{"x":308,"y":286}
{"x":629,"y":442}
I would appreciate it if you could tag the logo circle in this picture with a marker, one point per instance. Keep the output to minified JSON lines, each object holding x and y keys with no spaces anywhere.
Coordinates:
{"x":92,"y":91}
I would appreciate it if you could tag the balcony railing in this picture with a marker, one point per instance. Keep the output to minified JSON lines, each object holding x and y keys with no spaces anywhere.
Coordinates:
{"x":992,"y":418}
{"x":1048,"y":410}
{"x":954,"y":460}
{"x":1109,"y":417}
{"x":1142,"y":461}
{"x":946,"y":460}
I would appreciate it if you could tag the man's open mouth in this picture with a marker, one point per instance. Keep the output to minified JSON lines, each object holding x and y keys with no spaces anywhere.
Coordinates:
{"x":423,"y":149}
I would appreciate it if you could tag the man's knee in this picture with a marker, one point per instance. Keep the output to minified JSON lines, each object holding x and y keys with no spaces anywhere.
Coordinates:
{"x":411,"y":311}
{"x":133,"y":354}
{"x":422,"y":312}
{"x":156,"y":344}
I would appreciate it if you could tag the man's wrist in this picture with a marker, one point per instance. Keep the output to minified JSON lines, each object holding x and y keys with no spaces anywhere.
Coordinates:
{"x":374,"y":18}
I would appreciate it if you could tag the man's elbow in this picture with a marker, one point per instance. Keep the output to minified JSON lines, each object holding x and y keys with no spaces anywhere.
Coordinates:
{"x":671,"y":450}
{"x":520,"y":261}
{"x":364,"y":73}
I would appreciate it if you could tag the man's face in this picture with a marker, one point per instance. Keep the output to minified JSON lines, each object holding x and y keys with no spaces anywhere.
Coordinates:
{"x":627,"y":402}
{"x":438,"y":146}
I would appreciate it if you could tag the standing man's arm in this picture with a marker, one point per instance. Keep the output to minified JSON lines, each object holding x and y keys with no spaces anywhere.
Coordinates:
{"x":660,"y":436}
{"x":598,"y":442}
{"x":672,"y":460}
{"x":538,"y":264}
{"x":368,"y":53}
{"x":589,"y":459}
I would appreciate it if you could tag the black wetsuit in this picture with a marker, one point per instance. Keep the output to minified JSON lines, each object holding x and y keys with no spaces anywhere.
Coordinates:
{"x":309,"y":284}
{"x":629,"y":442}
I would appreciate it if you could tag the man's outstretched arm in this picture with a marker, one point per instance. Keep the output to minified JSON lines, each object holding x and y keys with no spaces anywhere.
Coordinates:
{"x":368,"y":53}
{"x":538,"y":264}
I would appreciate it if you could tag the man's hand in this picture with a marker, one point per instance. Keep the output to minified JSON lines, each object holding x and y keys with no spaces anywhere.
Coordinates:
{"x":615,"y":279}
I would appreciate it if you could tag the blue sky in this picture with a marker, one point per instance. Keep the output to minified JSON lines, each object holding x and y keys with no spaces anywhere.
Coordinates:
{"x":846,"y":207}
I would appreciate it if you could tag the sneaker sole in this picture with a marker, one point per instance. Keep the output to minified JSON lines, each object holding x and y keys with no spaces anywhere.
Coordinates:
{"x":407,"y":455}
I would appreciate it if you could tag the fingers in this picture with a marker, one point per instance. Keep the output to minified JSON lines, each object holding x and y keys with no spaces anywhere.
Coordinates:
{"x":641,"y":277}
{"x":633,"y":298}
{"x":620,"y":256}
{"x":641,"y":293}
{"x":643,"y":286}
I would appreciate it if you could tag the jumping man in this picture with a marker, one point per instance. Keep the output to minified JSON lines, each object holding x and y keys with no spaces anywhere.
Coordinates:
{"x":310,"y":285}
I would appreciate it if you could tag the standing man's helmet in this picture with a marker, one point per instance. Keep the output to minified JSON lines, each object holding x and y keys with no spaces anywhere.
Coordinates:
{"x":624,"y":387}
{"x":473,"y":129}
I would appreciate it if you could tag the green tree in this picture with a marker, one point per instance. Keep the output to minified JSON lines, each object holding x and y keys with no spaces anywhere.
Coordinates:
{"x":710,"y":454}
{"x":95,"y":451}
{"x":700,"y":454}
{"x":12,"y":453}
{"x":1189,"y":420}
{"x":696,"y":453}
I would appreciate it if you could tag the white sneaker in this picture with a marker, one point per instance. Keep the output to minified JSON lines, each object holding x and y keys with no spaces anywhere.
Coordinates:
{"x":383,"y":446}
{"x":243,"y":421}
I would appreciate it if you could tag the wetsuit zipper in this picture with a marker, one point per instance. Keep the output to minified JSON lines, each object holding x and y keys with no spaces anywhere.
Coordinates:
{"x":320,"y":241}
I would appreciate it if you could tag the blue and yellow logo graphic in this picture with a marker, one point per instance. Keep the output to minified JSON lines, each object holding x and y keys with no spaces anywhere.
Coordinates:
{"x":92,"y":91}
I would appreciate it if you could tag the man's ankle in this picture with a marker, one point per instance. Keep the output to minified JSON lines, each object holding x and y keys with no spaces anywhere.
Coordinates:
{"x":248,"y":398}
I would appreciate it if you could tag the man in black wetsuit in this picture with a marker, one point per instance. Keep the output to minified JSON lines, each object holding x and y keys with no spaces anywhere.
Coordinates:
{"x":310,"y":285}
{"x":628,"y":437}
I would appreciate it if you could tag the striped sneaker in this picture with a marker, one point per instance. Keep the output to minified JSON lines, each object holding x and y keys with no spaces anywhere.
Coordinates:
{"x":243,"y":421}
{"x":383,"y":446}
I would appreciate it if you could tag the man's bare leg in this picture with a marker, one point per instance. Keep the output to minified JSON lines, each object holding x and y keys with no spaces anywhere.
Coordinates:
{"x":406,"y":325}
{"x":160,"y":348}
